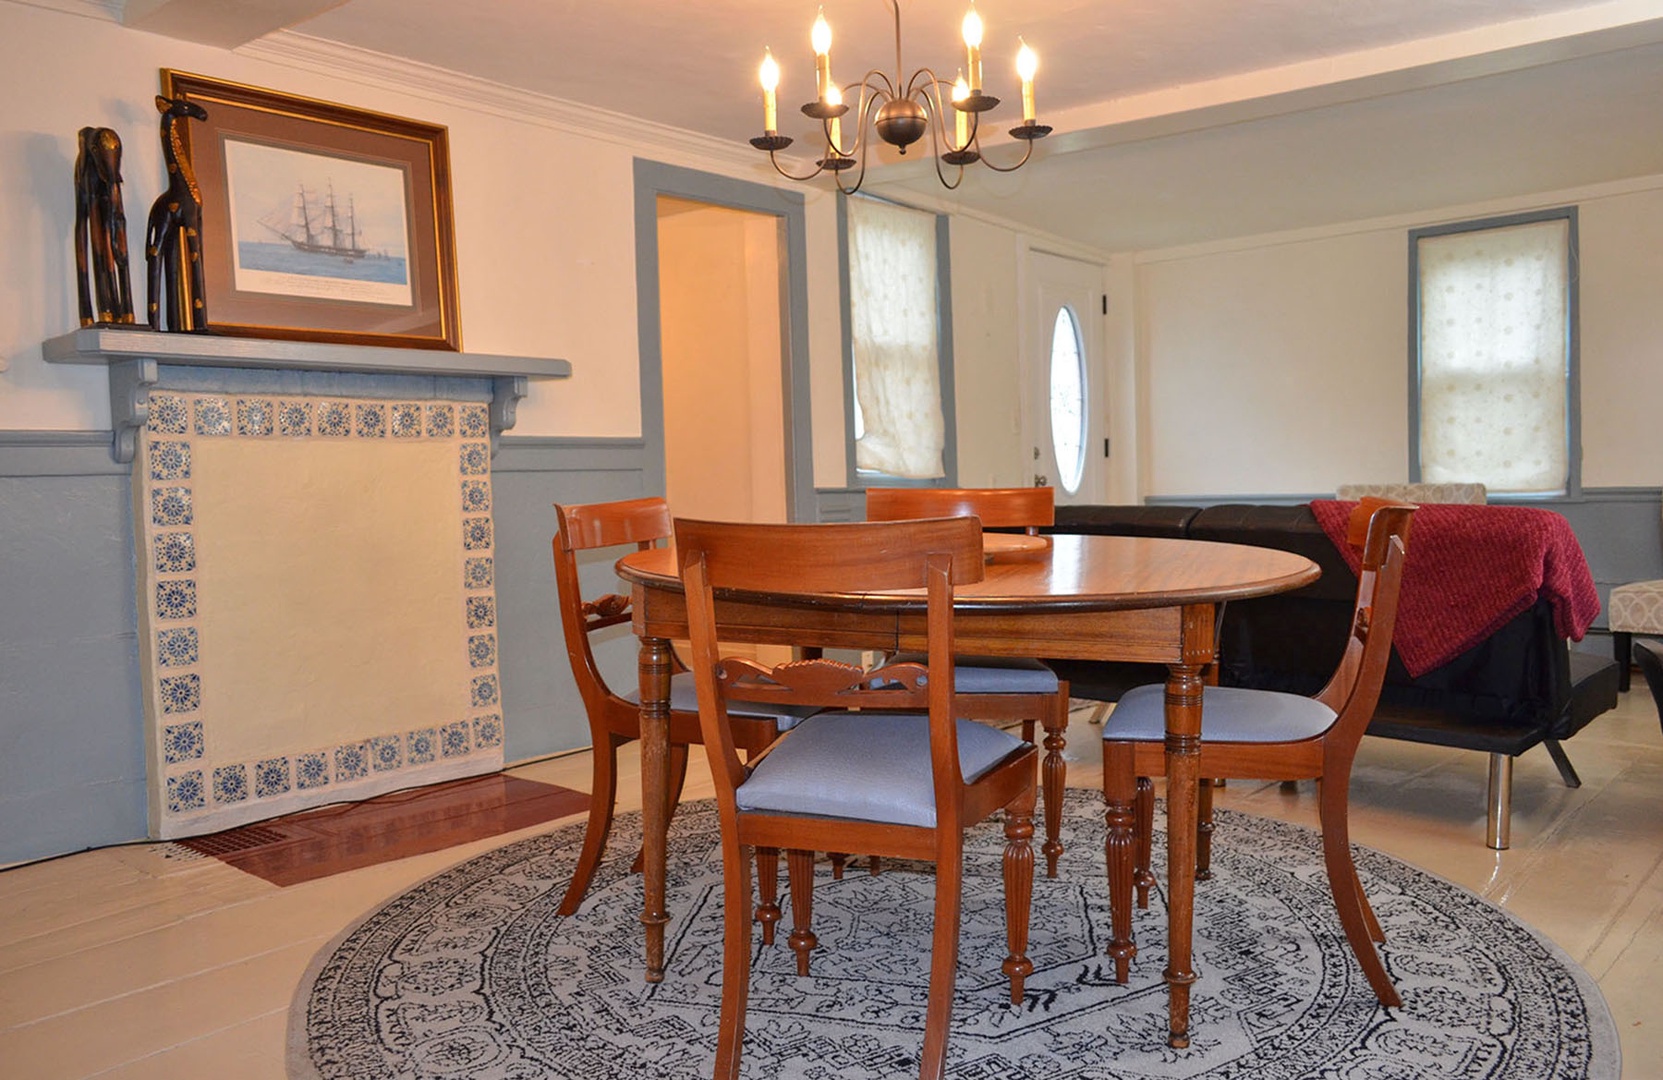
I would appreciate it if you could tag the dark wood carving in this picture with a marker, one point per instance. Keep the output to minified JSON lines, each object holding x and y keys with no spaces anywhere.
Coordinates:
{"x":173,"y":237}
{"x":101,"y":230}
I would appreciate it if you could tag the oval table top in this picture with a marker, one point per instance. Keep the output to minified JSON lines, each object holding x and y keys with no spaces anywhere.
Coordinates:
{"x":1072,"y":573}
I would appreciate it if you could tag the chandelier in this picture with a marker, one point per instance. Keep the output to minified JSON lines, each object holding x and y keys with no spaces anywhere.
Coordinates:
{"x":900,"y":112}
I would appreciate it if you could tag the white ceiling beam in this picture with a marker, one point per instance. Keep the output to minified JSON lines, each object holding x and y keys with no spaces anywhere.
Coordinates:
{"x":225,"y":23}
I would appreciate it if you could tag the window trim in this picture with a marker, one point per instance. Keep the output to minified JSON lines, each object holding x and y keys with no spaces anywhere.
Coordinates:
{"x":1573,"y":347}
{"x":860,"y":481}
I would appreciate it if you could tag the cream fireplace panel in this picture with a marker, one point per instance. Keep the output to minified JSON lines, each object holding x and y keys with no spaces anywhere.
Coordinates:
{"x":316,"y":597}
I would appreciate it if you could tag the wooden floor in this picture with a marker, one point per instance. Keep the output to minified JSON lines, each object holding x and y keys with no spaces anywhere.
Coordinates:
{"x":144,"y":961}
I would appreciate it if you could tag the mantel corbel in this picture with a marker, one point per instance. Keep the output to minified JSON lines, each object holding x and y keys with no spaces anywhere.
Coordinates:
{"x":134,"y":359}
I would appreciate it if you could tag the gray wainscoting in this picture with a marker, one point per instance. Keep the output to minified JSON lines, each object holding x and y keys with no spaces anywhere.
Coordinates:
{"x":72,"y":768}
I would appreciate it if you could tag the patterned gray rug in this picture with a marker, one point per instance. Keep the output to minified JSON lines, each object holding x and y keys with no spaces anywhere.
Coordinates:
{"x":472,"y":974}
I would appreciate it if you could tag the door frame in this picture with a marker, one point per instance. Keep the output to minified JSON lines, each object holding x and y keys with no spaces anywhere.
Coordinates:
{"x":1097,"y":483}
{"x":652,"y":179}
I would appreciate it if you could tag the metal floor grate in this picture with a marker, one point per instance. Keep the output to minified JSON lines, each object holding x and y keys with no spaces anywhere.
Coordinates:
{"x":234,"y":840}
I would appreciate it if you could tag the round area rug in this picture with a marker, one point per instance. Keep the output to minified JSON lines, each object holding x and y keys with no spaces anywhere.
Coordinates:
{"x":472,"y":974}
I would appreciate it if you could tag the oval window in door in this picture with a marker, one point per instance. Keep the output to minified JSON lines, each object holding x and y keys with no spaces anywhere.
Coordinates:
{"x":1068,"y":400}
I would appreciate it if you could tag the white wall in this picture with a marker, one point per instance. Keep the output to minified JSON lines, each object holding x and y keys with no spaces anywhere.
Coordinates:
{"x":1279,"y":365}
{"x":543,"y":206}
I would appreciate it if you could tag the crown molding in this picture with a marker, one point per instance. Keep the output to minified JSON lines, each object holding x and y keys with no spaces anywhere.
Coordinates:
{"x":370,"y":68}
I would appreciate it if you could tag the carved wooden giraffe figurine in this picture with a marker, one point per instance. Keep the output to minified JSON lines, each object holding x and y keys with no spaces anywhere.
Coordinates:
{"x":173,"y":238}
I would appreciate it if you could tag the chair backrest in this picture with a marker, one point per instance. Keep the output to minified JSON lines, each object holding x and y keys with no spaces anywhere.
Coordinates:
{"x":1381,"y":529}
{"x":640,"y":522}
{"x":998,"y":508}
{"x":793,"y":560}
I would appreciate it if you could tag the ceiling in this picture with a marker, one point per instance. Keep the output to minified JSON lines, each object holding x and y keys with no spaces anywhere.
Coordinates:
{"x":1177,"y":121}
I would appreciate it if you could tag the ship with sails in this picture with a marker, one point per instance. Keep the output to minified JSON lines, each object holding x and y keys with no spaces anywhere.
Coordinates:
{"x":319,"y":229}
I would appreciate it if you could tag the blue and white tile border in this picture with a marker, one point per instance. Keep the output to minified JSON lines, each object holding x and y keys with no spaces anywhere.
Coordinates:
{"x":191,"y":790}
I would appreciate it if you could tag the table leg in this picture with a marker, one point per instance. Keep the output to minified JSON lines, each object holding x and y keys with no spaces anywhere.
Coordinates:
{"x":1183,"y":761}
{"x":655,"y":781}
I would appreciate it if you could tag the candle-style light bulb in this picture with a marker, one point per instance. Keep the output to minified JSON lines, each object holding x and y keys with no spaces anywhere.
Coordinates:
{"x":1027,"y":63}
{"x":770,"y":75}
{"x":820,"y":37}
{"x":834,"y":96}
{"x":961,"y":119}
{"x":973,"y":48}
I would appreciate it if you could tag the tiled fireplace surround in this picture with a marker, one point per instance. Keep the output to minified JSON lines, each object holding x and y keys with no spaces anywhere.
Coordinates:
{"x":315,"y":567}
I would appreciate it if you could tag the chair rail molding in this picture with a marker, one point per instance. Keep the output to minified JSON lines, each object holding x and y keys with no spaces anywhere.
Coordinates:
{"x":135,"y":358}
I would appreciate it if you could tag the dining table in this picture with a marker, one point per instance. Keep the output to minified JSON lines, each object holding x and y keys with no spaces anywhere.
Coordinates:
{"x":1108,"y":598}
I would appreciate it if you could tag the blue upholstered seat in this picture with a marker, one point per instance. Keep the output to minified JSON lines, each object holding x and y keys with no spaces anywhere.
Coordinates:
{"x":684,"y":697}
{"x":811,"y":771}
{"x":1228,"y":714}
{"x":995,"y":674}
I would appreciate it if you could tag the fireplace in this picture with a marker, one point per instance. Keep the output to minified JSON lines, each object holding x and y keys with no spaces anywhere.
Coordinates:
{"x":315,"y":566}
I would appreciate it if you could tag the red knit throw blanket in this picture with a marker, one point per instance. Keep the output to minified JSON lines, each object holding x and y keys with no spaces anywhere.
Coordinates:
{"x":1473,"y":568}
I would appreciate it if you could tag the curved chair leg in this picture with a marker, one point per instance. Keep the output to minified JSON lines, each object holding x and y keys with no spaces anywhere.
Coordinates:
{"x":603,"y":792}
{"x":1349,"y":902}
{"x":1143,"y":823}
{"x":1019,"y":890}
{"x":736,"y":957}
{"x":944,"y":957}
{"x":1119,"y":795}
{"x":800,"y":871}
{"x":768,"y":891}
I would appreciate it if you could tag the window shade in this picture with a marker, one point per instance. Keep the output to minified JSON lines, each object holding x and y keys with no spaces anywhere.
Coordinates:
{"x":899,"y":429}
{"x":1493,"y":356}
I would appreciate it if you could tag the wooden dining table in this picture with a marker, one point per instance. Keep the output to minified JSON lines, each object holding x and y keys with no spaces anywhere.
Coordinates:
{"x":1075,"y":597}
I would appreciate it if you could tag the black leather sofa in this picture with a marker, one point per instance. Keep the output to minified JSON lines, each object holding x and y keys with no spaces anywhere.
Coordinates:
{"x":1518,"y":688}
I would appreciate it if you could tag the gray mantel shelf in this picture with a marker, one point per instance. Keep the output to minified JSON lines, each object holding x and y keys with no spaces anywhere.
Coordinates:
{"x":134,"y":356}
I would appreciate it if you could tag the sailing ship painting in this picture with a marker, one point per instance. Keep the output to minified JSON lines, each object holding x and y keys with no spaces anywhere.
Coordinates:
{"x":315,"y":226}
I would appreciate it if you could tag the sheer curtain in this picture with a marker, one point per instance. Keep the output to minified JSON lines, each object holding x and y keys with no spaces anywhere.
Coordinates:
{"x":899,"y":429}
{"x":1494,"y":309}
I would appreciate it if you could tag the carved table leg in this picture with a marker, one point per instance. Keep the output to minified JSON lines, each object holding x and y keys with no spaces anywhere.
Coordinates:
{"x":655,"y":783}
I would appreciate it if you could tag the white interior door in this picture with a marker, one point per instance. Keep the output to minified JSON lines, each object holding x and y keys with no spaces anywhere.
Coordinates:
{"x":1065,"y":401}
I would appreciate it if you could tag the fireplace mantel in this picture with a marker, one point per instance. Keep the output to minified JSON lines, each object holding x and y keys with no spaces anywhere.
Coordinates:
{"x":134,"y":358}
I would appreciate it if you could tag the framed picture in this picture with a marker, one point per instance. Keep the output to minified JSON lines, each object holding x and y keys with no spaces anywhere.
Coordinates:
{"x":321,"y":222}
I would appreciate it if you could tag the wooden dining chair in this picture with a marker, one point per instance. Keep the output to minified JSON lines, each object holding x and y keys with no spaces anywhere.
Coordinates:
{"x":899,"y":776}
{"x":1268,"y":735}
{"x":615,"y":719}
{"x":1000,"y":688}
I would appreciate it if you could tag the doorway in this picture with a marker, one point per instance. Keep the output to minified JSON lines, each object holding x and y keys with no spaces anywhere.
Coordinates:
{"x":1064,"y":400}
{"x":740,"y":353}
{"x":719,"y":325}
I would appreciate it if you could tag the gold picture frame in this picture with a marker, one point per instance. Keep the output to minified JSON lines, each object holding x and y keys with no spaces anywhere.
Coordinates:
{"x":321,"y":222}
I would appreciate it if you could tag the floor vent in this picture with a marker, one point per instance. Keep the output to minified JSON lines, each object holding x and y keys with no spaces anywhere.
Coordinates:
{"x":234,"y":840}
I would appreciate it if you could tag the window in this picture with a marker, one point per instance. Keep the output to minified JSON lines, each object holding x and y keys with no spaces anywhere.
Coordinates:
{"x":899,"y":368}
{"x":1494,"y":354}
{"x":1068,"y":401}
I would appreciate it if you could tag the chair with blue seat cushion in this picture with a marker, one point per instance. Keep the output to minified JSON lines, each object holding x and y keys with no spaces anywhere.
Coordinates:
{"x":1000,"y":688}
{"x":615,"y":719}
{"x":902,"y":777}
{"x":1263,"y":734}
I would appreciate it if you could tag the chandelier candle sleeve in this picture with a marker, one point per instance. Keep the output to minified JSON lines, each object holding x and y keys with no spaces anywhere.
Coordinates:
{"x":973,"y":48}
{"x":834,"y":96}
{"x":770,"y":82}
{"x":961,"y":119}
{"x":820,"y":37}
{"x":1027,"y":64}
